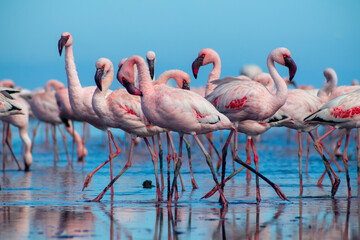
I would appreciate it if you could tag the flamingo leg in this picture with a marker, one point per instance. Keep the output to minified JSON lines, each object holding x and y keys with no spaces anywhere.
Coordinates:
{"x":238,"y":160}
{"x":56,"y":156}
{"x":111,"y":156}
{"x":4,"y":144}
{"x":10,"y":148}
{"x":127,"y":165}
{"x":175,"y":160}
{"x":300,"y":162}
{"x":177,"y":169}
{"x":318,"y":148}
{"x":188,"y":148}
{"x":154,"y":159}
{"x":256,"y":161}
{"x":210,"y":164}
{"x":73,"y":140}
{"x":345,"y":159}
{"x":216,"y":151}
{"x":235,"y":148}
{"x":34,"y":135}
{"x":46,"y":135}
{"x":338,"y":144}
{"x":168,"y":158}
{"x":307,"y":154}
{"x":65,"y":145}
{"x":248,"y":157}
{"x":161,"y":153}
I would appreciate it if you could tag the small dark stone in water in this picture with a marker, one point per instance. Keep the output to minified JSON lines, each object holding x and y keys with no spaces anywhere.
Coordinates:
{"x":147,"y":184}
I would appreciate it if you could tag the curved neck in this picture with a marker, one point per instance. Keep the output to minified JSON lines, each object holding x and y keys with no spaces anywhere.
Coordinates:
{"x":145,"y":83}
{"x":166,"y":76}
{"x":214,"y":74}
{"x":55,"y":84}
{"x":71,"y":73}
{"x":281,"y":88}
{"x":327,"y":88}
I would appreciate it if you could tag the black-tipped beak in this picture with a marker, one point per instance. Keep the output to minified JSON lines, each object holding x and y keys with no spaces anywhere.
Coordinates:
{"x":185,"y":86}
{"x":131,"y":88}
{"x":13,"y":107}
{"x":6,"y":94}
{"x":293,"y":83}
{"x":289,"y":63}
{"x":98,"y":76}
{"x":62,"y":43}
{"x":151,"y":63}
{"x":196,"y":65}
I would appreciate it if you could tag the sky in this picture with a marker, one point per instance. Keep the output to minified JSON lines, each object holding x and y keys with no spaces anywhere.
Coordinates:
{"x":319,"y":34}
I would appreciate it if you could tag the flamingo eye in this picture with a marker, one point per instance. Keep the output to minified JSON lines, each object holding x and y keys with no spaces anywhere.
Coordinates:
{"x":68,"y":36}
{"x":202,"y":55}
{"x":284,"y":56}
{"x":184,"y":81}
{"x":123,"y":78}
{"x":103,"y":66}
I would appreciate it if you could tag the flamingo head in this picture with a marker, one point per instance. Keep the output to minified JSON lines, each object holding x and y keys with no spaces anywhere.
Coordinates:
{"x":103,"y":66}
{"x":283,"y":56}
{"x":65,"y":40}
{"x":182,"y":79}
{"x":150,"y":58}
{"x":329,"y":74}
{"x":205,"y":57}
{"x":126,"y":76}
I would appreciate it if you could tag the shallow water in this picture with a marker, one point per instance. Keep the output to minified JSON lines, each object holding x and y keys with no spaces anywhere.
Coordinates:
{"x":48,"y":201}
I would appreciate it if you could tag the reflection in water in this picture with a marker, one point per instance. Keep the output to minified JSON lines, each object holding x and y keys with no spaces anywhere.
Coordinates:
{"x":48,"y":203}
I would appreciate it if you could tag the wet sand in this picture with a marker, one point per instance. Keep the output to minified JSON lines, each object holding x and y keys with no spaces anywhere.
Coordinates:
{"x":48,"y":202}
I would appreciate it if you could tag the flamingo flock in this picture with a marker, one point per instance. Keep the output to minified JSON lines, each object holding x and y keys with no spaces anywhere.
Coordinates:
{"x":147,"y":107}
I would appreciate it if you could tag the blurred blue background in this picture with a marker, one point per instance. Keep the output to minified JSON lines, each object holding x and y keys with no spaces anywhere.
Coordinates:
{"x":319,"y":34}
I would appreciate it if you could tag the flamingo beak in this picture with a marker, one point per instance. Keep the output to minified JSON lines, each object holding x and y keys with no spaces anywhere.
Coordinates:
{"x":62,"y":43}
{"x":131,"y":88}
{"x":185,"y":86}
{"x":289,"y":63}
{"x":98,"y":76}
{"x":151,"y":63}
{"x":196,"y":65}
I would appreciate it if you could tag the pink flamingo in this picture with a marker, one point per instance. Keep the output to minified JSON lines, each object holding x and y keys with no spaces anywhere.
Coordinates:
{"x":182,"y":111}
{"x":341,"y":112}
{"x":45,"y":108}
{"x":81,"y":97}
{"x":300,"y":103}
{"x":20,"y":121}
{"x":122,"y":110}
{"x":238,"y":98}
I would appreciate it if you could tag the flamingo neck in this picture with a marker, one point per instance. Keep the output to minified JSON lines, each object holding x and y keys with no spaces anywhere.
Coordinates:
{"x":281,"y":88}
{"x":326,"y":89}
{"x":214,"y":74}
{"x":166,"y":76}
{"x":145,"y":83}
{"x":55,"y":84}
{"x":71,"y":73}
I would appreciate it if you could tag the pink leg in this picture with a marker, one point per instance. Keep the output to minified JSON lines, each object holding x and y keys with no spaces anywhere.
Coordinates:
{"x":175,"y":160}
{"x":177,"y":169}
{"x":46,"y":135}
{"x":65,"y":145}
{"x":127,"y":165}
{"x":248,"y":157}
{"x":154,"y":159}
{"x":237,"y":159}
{"x":161,"y":162}
{"x":34,"y":135}
{"x":300,"y":161}
{"x":235,"y":148}
{"x":168,"y":158}
{"x":10,"y":148}
{"x":256,"y":161}
{"x":345,"y":159}
{"x":307,"y":154}
{"x":338,"y":144}
{"x":111,"y":156}
{"x":318,"y":146}
{"x":188,"y":148}
{"x":56,"y":153}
